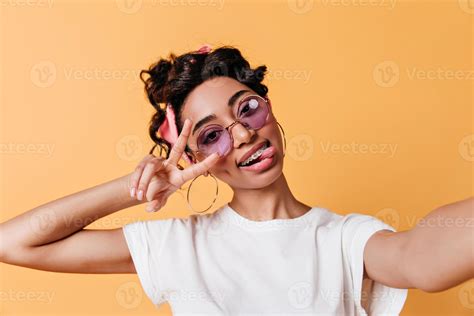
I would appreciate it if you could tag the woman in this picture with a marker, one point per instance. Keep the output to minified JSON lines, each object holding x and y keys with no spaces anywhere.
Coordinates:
{"x":263,"y":252}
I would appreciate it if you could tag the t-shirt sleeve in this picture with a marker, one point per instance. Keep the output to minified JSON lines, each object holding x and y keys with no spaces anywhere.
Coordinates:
{"x":145,"y":240}
{"x":376,"y":298}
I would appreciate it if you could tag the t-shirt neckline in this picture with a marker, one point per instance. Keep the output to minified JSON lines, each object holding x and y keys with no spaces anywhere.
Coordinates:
{"x":302,"y":221}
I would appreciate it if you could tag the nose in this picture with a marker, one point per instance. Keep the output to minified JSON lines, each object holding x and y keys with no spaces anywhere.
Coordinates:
{"x":241,"y":135}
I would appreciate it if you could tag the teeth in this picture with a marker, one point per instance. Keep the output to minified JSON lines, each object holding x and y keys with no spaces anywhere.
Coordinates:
{"x":255,"y":155}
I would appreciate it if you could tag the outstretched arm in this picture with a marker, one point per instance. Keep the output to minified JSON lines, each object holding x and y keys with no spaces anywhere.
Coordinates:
{"x":52,"y":236}
{"x":435,"y":255}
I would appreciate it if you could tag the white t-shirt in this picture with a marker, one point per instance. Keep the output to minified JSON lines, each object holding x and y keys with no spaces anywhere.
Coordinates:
{"x":222,"y":263}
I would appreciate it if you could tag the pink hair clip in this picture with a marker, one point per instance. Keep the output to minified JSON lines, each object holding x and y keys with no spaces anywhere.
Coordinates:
{"x":169,"y":131}
{"x":204,"y":49}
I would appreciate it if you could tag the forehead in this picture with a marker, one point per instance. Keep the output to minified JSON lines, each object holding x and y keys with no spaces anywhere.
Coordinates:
{"x":210,"y":97}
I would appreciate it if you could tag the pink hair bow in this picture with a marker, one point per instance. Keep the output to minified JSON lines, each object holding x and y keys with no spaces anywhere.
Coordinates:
{"x":168,"y":129}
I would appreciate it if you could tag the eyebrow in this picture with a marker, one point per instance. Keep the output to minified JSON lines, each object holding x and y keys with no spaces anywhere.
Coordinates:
{"x":211,"y":117}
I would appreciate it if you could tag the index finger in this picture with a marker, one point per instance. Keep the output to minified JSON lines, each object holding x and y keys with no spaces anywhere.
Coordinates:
{"x":199,"y":168}
{"x":178,"y":148}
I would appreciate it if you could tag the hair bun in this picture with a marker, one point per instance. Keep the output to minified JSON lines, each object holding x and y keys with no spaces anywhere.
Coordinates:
{"x":156,"y":83}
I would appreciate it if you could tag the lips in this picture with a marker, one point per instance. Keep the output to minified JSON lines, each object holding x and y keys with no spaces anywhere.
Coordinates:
{"x":251,"y":151}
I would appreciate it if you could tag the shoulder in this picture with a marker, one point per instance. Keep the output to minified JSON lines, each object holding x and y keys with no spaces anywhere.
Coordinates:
{"x":180,"y":225}
{"x":350,"y":223}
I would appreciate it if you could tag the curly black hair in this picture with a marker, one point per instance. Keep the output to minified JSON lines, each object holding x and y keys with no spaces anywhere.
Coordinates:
{"x":171,"y":80}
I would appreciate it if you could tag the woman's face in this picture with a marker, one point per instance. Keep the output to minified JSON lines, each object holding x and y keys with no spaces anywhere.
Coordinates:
{"x":212,"y":97}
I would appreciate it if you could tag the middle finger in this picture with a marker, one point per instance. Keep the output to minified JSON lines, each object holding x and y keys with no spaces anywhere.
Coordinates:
{"x":178,"y":148}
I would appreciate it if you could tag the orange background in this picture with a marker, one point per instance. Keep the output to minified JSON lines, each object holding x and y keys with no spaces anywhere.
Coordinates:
{"x":376,"y":73}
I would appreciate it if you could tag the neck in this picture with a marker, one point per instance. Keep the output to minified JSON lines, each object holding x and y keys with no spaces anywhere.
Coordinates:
{"x":274,"y":201}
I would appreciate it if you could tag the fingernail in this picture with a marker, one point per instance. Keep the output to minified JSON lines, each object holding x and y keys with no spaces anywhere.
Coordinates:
{"x":149,"y":209}
{"x":140,"y":195}
{"x":132,"y":192}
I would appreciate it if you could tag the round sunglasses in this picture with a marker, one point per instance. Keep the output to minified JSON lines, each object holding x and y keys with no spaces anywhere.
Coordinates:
{"x":253,"y":112}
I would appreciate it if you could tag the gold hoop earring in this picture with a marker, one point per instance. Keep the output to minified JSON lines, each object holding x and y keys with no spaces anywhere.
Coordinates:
{"x":215,"y":198}
{"x":284,"y":138}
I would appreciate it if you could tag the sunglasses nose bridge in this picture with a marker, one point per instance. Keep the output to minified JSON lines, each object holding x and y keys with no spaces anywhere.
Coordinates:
{"x":247,"y":129}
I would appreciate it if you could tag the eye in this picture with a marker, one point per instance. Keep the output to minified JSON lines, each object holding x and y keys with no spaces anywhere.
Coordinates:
{"x":249,"y":106}
{"x":211,"y":136}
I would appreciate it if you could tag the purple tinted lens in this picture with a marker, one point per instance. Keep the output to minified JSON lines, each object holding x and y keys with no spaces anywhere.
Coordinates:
{"x":252,"y":112}
{"x":214,"y":139}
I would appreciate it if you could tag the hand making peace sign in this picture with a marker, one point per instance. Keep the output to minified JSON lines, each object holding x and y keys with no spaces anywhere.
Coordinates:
{"x":156,"y":178}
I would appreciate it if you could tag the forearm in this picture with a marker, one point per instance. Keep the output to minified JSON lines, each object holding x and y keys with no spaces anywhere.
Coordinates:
{"x":440,"y":251}
{"x":64,"y":216}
